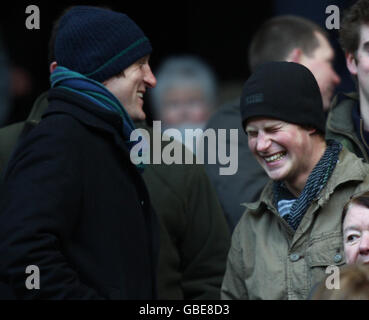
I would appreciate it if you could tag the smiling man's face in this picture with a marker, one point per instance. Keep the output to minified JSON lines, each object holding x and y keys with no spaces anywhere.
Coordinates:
{"x":281,"y":148}
{"x":130,"y":86}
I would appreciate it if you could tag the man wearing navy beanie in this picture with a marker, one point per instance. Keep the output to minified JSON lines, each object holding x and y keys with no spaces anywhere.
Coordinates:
{"x":76,"y":221}
{"x":285,"y":241}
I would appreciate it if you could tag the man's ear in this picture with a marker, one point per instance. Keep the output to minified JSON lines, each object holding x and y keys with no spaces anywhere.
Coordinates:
{"x":53,"y":66}
{"x":311,"y":131}
{"x":351,"y":63}
{"x":294,"y":55}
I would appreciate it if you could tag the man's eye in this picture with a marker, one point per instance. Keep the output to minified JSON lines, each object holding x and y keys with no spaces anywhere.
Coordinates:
{"x":274,"y":129}
{"x":141,"y":63}
{"x":252,"y":133}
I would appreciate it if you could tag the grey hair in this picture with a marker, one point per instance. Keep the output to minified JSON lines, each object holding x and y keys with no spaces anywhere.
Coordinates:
{"x":183,"y":71}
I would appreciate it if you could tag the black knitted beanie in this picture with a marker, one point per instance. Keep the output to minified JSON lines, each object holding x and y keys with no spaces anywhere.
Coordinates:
{"x":285,"y":91}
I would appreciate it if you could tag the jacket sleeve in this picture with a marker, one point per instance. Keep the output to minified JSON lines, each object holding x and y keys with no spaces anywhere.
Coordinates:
{"x":39,"y":207}
{"x":206,"y":243}
{"x":233,"y":286}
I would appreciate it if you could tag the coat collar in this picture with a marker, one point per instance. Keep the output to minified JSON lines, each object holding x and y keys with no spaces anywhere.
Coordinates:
{"x":340,"y":117}
{"x":61,"y":101}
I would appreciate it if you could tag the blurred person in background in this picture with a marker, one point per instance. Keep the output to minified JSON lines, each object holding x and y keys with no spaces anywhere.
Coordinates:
{"x":348,"y":122}
{"x":186,"y":94}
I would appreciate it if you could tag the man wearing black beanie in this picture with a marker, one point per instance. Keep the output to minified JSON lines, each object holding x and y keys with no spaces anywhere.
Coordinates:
{"x":285,"y":241}
{"x":76,"y":220}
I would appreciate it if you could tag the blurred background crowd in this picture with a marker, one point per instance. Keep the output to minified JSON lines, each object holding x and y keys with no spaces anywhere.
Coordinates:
{"x":217,"y":34}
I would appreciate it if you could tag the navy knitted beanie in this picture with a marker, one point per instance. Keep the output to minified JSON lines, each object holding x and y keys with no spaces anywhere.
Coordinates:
{"x":285,"y":91}
{"x":98,"y":43}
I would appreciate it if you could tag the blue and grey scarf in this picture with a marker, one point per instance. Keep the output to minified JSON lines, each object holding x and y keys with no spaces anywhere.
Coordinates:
{"x":97,"y":93}
{"x":292,"y":209}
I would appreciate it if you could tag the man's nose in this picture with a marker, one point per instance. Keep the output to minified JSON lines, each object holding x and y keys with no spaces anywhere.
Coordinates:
{"x":263,"y":142}
{"x":149,"y":78}
{"x":336,"y":78}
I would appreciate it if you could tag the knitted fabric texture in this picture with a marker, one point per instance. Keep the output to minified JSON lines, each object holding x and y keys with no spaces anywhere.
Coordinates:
{"x":292,"y":209}
{"x":98,"y":43}
{"x":285,"y":91}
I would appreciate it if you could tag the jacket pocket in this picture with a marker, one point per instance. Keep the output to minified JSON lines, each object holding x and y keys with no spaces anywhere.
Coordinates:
{"x":324,"y":251}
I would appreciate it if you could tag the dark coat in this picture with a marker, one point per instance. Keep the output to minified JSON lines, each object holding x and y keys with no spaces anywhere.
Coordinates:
{"x":194,"y":236}
{"x":74,"y":205}
{"x":341,"y":126}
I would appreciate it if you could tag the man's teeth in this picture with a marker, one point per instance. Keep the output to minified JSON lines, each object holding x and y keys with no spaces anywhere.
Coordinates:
{"x":275,"y":157}
{"x":140,"y":94}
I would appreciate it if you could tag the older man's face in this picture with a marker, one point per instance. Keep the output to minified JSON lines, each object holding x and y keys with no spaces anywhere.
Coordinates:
{"x":281,"y":148}
{"x":356,"y":234}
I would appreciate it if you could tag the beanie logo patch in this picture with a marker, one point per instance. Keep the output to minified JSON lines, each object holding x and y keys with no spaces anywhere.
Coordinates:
{"x":255,"y":98}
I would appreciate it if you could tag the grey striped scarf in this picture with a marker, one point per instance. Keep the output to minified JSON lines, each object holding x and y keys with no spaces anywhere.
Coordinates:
{"x":292,"y":209}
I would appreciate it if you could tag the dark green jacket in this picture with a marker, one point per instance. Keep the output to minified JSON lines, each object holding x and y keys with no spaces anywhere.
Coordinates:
{"x":340,"y":125}
{"x":194,"y":234}
{"x":269,"y":261}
